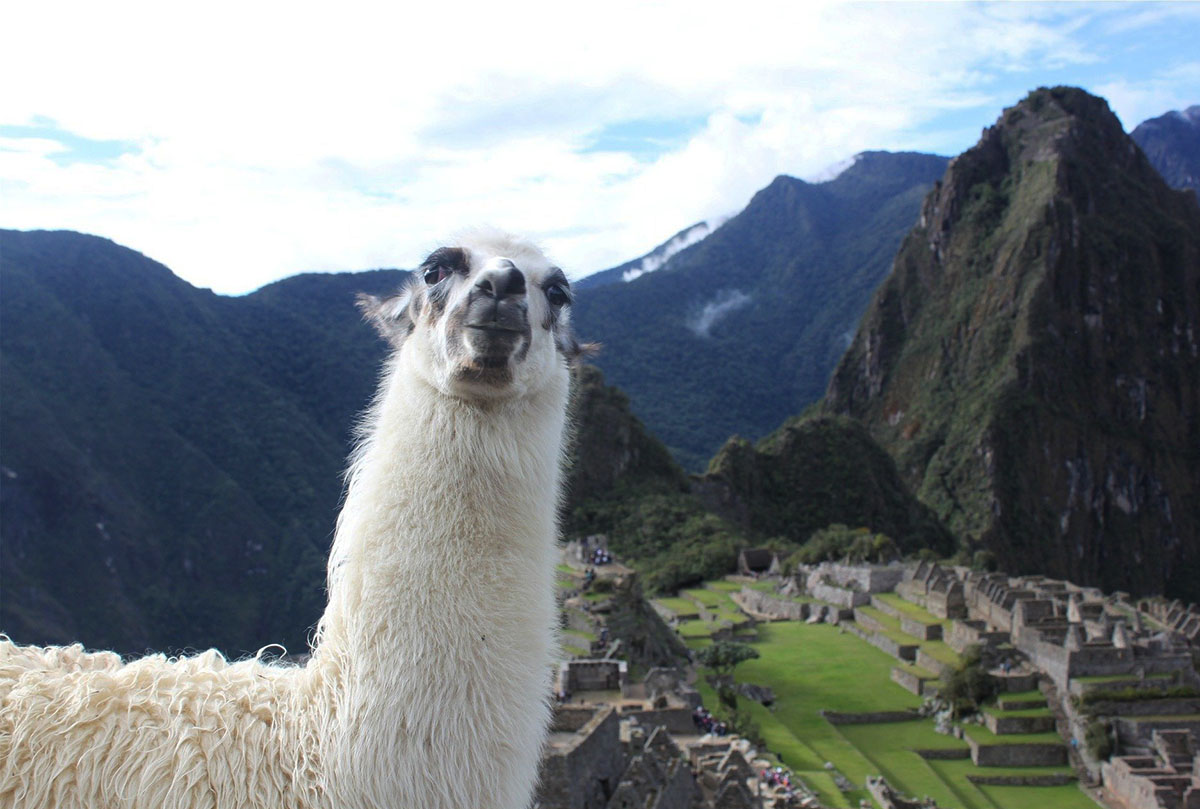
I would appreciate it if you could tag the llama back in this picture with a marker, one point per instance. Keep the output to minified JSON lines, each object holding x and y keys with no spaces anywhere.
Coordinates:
{"x":82,"y":729}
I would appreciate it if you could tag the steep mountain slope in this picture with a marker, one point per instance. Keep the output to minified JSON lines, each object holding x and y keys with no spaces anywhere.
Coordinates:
{"x":813,"y":472}
{"x":1172,"y":144}
{"x":1033,"y":360}
{"x":170,"y":459}
{"x":741,"y":330}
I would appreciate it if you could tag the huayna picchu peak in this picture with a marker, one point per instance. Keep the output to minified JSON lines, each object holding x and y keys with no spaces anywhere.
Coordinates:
{"x":1033,"y":360}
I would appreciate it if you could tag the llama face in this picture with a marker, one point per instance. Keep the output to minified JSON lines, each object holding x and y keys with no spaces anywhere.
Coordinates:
{"x":486,"y":317}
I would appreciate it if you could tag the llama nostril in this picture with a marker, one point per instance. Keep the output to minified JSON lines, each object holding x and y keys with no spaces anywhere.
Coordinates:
{"x":502,"y":283}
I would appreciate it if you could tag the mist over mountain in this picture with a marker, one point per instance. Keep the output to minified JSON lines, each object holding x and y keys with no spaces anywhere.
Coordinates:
{"x":740,"y":330}
{"x":1033,"y":360}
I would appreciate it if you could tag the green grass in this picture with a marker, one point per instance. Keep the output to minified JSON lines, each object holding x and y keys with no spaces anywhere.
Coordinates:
{"x":1069,"y":796}
{"x":696,"y":628}
{"x":985,"y":736}
{"x":1019,"y":713}
{"x":709,"y":598}
{"x":939,"y":650}
{"x":722,"y":586}
{"x":679,"y":606}
{"x":908,"y":608}
{"x":1023,"y":696}
{"x":917,"y":671}
{"x":767,"y":587}
{"x":564,"y":568}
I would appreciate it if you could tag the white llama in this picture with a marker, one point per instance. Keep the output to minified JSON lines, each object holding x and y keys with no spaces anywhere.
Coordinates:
{"x":429,"y":680}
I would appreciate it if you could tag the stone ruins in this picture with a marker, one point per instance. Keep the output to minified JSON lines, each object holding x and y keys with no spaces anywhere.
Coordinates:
{"x":1115,"y":677}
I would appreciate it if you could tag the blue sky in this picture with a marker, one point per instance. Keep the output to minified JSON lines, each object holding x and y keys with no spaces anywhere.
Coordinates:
{"x":240,"y":143}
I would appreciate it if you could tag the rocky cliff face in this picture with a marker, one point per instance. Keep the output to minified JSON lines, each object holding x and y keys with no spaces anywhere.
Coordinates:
{"x":1172,"y":145}
{"x":1033,"y":360}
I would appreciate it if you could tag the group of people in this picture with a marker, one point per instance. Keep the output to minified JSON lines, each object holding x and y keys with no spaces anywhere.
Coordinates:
{"x":601,"y":556}
{"x":777,"y":777}
{"x":705,"y":722}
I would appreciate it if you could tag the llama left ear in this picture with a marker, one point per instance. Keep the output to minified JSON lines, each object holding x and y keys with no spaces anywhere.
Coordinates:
{"x":391,"y":316}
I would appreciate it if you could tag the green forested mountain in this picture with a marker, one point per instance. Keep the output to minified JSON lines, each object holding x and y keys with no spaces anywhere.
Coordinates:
{"x":813,"y":472}
{"x":1033,"y":360}
{"x":740,"y":331}
{"x":171,"y":458}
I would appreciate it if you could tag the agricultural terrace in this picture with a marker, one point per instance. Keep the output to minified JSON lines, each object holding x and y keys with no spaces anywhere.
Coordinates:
{"x":815,"y":667}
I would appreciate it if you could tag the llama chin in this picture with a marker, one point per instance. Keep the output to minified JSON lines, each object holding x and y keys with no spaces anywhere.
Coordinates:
{"x":429,"y":679}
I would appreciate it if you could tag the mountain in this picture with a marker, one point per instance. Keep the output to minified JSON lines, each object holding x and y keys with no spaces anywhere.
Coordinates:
{"x":813,"y":472}
{"x":1033,"y":360}
{"x":632,"y":270}
{"x":1172,"y":144}
{"x":171,"y":459}
{"x":741,"y":330}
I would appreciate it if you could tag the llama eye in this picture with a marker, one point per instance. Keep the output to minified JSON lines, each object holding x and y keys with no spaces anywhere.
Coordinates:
{"x":435,"y":275}
{"x":557,"y":295}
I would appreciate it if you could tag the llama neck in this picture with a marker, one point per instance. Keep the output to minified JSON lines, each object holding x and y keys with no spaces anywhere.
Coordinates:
{"x":450,"y":511}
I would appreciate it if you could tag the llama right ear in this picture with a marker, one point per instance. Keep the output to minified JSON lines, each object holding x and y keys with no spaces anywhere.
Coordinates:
{"x":391,"y":316}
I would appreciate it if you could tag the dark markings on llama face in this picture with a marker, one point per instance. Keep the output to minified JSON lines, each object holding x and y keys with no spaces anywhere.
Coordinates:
{"x":454,"y":259}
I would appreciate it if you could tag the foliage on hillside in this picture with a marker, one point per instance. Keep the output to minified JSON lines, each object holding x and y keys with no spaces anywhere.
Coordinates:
{"x":814,"y":472}
{"x":1032,"y":362}
{"x":172,"y":458}
{"x":624,"y":483}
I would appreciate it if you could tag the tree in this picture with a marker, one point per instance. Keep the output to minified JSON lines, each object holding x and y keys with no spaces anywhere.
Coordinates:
{"x":724,"y":655}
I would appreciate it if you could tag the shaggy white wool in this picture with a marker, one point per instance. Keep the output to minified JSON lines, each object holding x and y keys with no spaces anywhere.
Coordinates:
{"x":428,"y":684}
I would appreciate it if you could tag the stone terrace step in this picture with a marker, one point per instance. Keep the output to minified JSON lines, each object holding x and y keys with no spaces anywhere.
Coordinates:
{"x":914,"y":679}
{"x":1020,"y":701}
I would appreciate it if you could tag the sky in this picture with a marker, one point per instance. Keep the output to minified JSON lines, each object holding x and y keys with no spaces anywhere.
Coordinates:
{"x":240,"y":143}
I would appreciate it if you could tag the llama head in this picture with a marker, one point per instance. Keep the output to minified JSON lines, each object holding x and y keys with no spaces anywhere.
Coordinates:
{"x":487,"y":316}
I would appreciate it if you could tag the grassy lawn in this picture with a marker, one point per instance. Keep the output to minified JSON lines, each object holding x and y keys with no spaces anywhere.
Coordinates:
{"x":938,"y":650}
{"x":1069,"y":796}
{"x":985,"y":736}
{"x":917,"y":671}
{"x":811,"y":667}
{"x":722,"y":586}
{"x":908,"y":608}
{"x":1019,"y":713}
{"x":709,"y":598}
{"x":679,"y":606}
{"x":696,"y":628}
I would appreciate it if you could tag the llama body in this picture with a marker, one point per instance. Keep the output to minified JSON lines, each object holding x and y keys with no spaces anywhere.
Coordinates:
{"x":428,"y":685}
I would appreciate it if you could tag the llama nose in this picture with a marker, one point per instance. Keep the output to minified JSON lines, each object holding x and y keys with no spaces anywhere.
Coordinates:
{"x":502,"y":282}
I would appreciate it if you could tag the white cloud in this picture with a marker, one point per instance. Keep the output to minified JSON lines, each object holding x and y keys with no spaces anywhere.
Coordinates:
{"x":281,"y":138}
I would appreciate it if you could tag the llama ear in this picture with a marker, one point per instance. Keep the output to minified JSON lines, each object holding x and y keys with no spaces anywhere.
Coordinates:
{"x":391,"y":316}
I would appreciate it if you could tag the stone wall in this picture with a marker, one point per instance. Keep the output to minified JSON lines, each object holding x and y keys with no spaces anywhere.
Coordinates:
{"x":911,"y":682}
{"x":594,"y":675}
{"x":580,"y":770}
{"x":1001,"y":725}
{"x":877,"y":717}
{"x":840,"y":596}
{"x":1017,"y":755}
{"x":773,"y":606}
{"x":864,"y":578}
{"x":675,"y":720}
